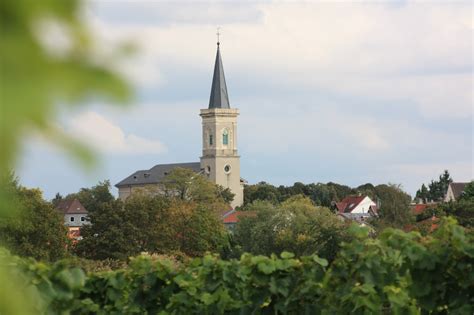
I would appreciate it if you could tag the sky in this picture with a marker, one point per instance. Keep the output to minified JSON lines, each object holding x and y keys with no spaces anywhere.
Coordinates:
{"x":348,"y":92}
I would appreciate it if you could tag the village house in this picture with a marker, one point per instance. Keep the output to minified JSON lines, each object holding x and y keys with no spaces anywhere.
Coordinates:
{"x":75,"y":216}
{"x":454,"y":191}
{"x":356,"y":208}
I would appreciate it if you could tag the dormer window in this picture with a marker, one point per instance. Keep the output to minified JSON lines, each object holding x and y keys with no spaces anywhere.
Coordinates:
{"x":225,"y":137}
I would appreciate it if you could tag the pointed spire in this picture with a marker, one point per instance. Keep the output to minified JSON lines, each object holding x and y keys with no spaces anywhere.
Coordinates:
{"x":219,"y":97}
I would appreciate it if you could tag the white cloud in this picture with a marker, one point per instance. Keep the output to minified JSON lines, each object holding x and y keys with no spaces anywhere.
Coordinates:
{"x":105,"y":136}
{"x":419,"y":52}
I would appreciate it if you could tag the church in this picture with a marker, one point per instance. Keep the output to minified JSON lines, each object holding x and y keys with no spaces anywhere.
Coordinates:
{"x":220,"y":161}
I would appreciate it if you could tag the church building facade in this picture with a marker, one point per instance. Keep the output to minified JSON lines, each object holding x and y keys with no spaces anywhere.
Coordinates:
{"x":220,"y":161}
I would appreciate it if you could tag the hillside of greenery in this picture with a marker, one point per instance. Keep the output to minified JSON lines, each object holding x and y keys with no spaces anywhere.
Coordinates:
{"x":396,"y":273}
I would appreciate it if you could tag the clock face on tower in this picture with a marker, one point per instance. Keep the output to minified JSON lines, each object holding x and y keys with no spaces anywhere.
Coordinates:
{"x":227,"y":169}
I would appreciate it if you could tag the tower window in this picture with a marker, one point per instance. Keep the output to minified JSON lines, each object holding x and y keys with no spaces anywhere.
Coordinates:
{"x":211,"y":140}
{"x":225,"y":137}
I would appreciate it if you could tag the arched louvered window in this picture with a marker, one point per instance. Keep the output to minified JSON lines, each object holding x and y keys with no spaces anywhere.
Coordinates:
{"x":225,"y":137}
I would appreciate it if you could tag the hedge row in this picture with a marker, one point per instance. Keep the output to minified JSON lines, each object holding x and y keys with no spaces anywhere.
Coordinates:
{"x":396,"y":273}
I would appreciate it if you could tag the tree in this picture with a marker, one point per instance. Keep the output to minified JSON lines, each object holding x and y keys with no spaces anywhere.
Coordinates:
{"x":261,"y":191}
{"x":92,"y":198}
{"x":225,"y":193}
{"x":423,"y":194}
{"x":195,"y":228}
{"x":185,"y":184}
{"x":185,"y":219}
{"x":37,"y":230}
{"x":119,"y":229}
{"x":394,"y":206}
{"x":436,"y":189}
{"x":296,"y":226}
{"x":468,"y":193}
{"x":57,"y":199}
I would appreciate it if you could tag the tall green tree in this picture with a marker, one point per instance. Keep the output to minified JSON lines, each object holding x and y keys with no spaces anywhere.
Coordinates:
{"x":37,"y":230}
{"x":436,"y":188}
{"x":261,"y":191}
{"x":296,"y":226}
{"x":92,"y":198}
{"x":119,"y":229}
{"x":423,"y":194}
{"x":394,"y":206}
{"x":186,"y":185}
{"x":185,"y":219}
{"x":468,"y":193}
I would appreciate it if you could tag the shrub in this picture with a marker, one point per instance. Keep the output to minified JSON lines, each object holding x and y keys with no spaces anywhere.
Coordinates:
{"x":396,"y":273}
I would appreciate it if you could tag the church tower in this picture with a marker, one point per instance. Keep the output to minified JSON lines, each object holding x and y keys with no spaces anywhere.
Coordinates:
{"x":220,"y":159}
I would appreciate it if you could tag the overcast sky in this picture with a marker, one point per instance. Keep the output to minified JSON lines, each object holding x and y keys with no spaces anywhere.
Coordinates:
{"x":346,"y":92}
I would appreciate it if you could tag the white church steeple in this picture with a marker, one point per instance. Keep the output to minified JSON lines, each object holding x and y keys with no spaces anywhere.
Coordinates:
{"x":220,"y":159}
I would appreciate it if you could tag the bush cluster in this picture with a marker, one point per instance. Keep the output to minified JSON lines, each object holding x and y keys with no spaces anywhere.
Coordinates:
{"x":397,"y":273}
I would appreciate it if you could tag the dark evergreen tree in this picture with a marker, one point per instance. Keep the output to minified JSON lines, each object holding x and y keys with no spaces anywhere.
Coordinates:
{"x":423,"y":194}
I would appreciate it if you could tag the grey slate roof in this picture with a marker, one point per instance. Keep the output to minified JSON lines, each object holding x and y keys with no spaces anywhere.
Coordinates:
{"x":458,"y":188}
{"x":219,"y":97}
{"x":71,"y":206}
{"x":156,"y":174}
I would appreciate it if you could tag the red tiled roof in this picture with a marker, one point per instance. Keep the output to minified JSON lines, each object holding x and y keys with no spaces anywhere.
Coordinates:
{"x":349,"y":203}
{"x":420,"y":208}
{"x":233,"y":217}
{"x":71,"y":206}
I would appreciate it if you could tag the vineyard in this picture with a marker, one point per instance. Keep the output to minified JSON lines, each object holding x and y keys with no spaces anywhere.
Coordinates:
{"x":396,"y":273}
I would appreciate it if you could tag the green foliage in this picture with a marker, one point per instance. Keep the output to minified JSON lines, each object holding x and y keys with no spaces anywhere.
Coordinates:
{"x":186,"y":185}
{"x":296,"y":226}
{"x":225,"y":194}
{"x":93,"y":198}
{"x":436,"y":189}
{"x":462,"y":210}
{"x":186,"y":222}
{"x":320,"y":194}
{"x":404,"y":273}
{"x":430,"y":212}
{"x":261,"y":191}
{"x":37,"y":229}
{"x":468,"y":193}
{"x":398,"y":273}
{"x":36,"y":75}
{"x":394,"y":207}
{"x":423,"y":194}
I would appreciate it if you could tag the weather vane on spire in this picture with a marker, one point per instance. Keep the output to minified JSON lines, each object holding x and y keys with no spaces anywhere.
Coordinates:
{"x":218,"y":34}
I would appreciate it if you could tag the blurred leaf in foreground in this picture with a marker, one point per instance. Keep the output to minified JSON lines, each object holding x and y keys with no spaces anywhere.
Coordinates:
{"x":46,"y":60}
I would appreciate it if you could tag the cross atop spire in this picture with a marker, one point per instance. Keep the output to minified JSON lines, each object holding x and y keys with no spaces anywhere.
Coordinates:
{"x":219,"y":97}
{"x":218,"y":34}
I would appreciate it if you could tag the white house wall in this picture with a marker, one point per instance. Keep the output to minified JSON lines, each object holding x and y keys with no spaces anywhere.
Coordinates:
{"x":363,"y":206}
